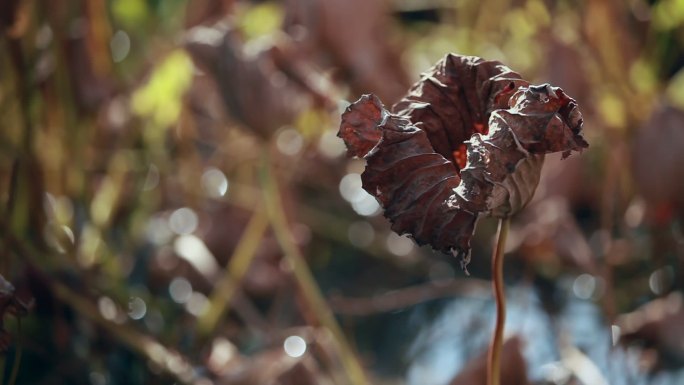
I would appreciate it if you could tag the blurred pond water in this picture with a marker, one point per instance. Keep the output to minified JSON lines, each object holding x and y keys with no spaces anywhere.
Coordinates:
{"x":584,"y":349}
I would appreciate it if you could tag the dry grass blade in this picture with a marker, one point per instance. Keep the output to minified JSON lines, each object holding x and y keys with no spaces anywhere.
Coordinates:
{"x":166,"y":359}
{"x":309,"y":289}
{"x":238,"y":266}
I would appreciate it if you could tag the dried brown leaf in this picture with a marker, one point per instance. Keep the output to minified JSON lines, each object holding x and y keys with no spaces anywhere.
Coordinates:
{"x":468,"y":140}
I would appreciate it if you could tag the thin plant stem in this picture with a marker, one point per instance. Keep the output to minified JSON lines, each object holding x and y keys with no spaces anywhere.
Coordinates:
{"x":494,"y":355}
{"x":17,"y":355}
{"x":3,"y":358}
{"x":307,"y":284}
{"x":240,"y":262}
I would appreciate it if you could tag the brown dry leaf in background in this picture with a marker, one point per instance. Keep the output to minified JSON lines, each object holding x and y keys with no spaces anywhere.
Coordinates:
{"x":567,"y":72}
{"x":8,"y":14}
{"x":657,"y":325}
{"x":82,"y":42}
{"x":255,"y":91}
{"x":657,"y":164}
{"x":355,"y":34}
{"x":468,"y":140}
{"x":548,"y":233}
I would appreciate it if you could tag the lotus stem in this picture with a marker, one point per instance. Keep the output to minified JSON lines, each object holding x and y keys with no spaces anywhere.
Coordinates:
{"x":494,"y":355}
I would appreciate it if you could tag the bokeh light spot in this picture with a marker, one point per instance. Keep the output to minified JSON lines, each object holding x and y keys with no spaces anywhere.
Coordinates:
{"x":615,"y":334}
{"x":584,"y":286}
{"x":120,"y":46}
{"x":289,"y":141}
{"x":214,"y":182}
{"x":197,"y":304}
{"x":137,"y":308}
{"x":660,"y":280}
{"x":107,"y":308}
{"x":180,"y":290}
{"x":398,"y":245}
{"x":330,"y":146}
{"x":294,"y":346}
{"x":222,"y":352}
{"x":183,"y":221}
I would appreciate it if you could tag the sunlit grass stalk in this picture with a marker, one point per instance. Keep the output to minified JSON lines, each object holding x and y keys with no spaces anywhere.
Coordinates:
{"x":238,"y":266}
{"x":494,"y":354}
{"x":309,"y":289}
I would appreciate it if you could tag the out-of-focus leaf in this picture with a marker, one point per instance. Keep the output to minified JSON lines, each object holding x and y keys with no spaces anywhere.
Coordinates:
{"x":644,"y":78}
{"x":356,"y":35}
{"x":160,"y":98}
{"x":657,"y":160}
{"x":256,"y":89}
{"x":549,"y":233}
{"x":657,"y":325}
{"x":260,"y":20}
{"x":91,"y":87}
{"x":8,"y":13}
{"x":612,"y":110}
{"x":130,"y":12}
{"x":468,"y":140}
{"x":668,"y":14}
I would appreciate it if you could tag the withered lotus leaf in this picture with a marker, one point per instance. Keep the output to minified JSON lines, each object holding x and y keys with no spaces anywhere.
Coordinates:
{"x":468,"y":140}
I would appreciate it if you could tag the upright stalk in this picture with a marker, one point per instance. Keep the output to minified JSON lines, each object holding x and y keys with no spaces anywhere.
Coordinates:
{"x":17,"y":355}
{"x":308,"y":286}
{"x":494,"y":355}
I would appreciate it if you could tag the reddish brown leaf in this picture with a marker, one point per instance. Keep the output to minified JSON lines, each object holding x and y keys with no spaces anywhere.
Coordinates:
{"x":360,"y":125}
{"x":408,"y":178}
{"x":463,"y":105}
